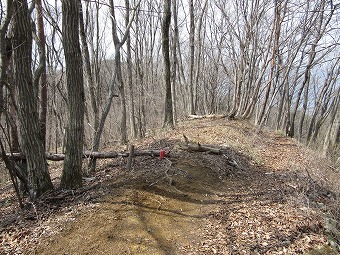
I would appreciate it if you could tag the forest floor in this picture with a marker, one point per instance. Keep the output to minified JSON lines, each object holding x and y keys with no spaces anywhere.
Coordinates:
{"x":276,"y":199}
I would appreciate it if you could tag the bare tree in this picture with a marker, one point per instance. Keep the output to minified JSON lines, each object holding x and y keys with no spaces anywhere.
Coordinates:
{"x":115,"y":73}
{"x":321,"y":27}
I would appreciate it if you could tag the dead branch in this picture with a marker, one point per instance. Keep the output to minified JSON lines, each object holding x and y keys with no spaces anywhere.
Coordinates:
{"x":190,"y":146}
{"x":197,"y":147}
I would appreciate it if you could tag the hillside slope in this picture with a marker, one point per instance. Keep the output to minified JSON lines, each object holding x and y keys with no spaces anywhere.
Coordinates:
{"x":273,"y":199}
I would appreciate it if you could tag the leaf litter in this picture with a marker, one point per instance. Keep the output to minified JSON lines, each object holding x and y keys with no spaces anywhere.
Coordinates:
{"x":274,"y":201}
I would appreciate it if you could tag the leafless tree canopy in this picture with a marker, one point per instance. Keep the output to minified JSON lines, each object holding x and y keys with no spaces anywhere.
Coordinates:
{"x":97,"y":72}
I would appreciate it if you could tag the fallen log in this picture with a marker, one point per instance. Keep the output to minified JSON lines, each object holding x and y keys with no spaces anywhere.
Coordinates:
{"x":208,"y":116}
{"x":90,"y":154}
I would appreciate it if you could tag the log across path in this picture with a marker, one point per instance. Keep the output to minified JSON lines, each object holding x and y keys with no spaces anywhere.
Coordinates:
{"x":90,"y":154}
{"x":190,"y":146}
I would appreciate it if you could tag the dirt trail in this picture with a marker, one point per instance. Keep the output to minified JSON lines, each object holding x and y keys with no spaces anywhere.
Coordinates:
{"x":195,"y":203}
{"x":166,"y":216}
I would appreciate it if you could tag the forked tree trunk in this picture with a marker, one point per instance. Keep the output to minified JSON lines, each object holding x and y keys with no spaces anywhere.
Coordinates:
{"x":107,"y":107}
{"x":118,"y":44}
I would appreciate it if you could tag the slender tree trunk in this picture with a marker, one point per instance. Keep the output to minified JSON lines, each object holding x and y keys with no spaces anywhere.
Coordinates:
{"x":277,"y":28}
{"x":174,"y":59}
{"x":5,"y":52}
{"x":38,"y":176}
{"x":305,"y":85}
{"x":43,"y":77}
{"x":199,"y":53}
{"x":72,"y":171}
{"x":90,"y":84}
{"x":192,"y":56}
{"x":332,"y":134}
{"x":133,"y":127}
{"x":140,"y":78}
{"x":168,"y":115}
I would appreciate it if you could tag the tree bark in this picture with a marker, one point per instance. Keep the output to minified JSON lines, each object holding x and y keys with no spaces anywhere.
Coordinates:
{"x":38,"y":177}
{"x":168,"y":114}
{"x":71,"y":176}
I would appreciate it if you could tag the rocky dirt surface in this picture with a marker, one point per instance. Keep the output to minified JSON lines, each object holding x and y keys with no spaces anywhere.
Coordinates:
{"x":275,"y":199}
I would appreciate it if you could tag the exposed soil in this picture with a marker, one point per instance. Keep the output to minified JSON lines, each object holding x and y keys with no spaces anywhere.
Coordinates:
{"x":274,"y":201}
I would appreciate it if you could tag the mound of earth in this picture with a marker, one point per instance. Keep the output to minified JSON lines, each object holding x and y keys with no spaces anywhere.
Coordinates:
{"x":273,"y":200}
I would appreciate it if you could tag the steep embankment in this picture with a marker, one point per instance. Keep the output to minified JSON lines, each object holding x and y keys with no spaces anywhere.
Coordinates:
{"x":274,"y":200}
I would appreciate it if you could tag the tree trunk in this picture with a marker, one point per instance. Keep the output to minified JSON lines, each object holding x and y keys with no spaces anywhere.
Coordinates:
{"x":42,"y":67}
{"x":71,"y":176}
{"x":276,"y":28}
{"x":129,"y":66}
{"x":332,"y":134}
{"x":87,"y":68}
{"x":174,"y":59}
{"x":38,"y":177}
{"x":168,"y":114}
{"x":198,"y":74}
{"x":192,"y":56}
{"x":5,"y":52}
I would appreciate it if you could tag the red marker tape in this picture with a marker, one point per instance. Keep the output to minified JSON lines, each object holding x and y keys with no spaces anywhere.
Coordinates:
{"x":162,"y":154}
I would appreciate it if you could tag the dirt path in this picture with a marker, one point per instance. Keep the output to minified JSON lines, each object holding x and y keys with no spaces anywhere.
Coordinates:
{"x":193,"y":203}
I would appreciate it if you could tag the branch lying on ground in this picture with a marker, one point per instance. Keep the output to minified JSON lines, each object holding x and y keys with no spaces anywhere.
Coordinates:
{"x":197,"y":147}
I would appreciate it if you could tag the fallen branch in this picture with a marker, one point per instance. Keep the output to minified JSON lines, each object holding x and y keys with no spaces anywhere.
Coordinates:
{"x":197,"y":147}
{"x":202,"y":148}
{"x":91,"y":154}
{"x":190,"y":146}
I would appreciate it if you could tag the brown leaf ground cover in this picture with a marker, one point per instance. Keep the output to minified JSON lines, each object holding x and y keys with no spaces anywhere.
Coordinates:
{"x":274,"y":201}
